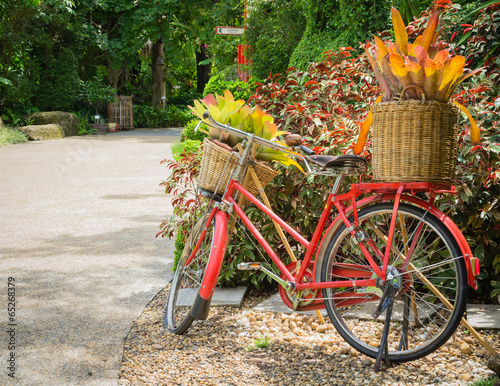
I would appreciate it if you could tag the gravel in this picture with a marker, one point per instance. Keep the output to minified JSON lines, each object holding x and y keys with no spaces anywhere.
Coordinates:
{"x":224,"y":350}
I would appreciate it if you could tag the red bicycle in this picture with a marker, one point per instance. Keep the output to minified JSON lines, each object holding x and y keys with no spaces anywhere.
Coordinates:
{"x":391,"y":269}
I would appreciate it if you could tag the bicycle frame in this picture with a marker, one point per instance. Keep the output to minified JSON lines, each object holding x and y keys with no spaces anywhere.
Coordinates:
{"x":221,"y":213}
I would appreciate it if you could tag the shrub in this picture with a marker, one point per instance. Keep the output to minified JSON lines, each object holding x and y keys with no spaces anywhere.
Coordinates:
{"x":181,"y":184}
{"x":476,"y":41}
{"x":13,"y":118}
{"x":188,"y":147}
{"x":171,"y":115}
{"x":476,"y":209}
{"x":183,"y":97}
{"x":240,"y":90}
{"x":94,"y":93}
{"x":10,"y":136}
{"x":189,"y":133}
{"x":59,"y":81}
{"x":327,"y":105}
{"x":274,"y":29}
{"x":335,"y":24}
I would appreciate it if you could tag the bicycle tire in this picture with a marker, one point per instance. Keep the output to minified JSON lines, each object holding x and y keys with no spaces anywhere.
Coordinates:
{"x":426,"y":322}
{"x":187,"y":279}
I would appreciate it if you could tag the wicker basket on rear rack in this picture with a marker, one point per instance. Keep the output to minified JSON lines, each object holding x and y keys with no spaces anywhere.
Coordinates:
{"x":414,"y":141}
{"x":214,"y":175}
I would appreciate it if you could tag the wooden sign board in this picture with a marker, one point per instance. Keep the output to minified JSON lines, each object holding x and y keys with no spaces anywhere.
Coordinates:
{"x":230,"y":30}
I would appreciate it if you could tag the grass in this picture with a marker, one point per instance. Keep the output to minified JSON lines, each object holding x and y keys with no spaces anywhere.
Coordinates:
{"x":484,"y":382}
{"x":10,"y":136}
{"x":189,"y":146}
{"x":262,"y":342}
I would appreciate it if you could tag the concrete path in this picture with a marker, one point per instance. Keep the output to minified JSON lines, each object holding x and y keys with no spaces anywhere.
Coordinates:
{"x":78,"y":219}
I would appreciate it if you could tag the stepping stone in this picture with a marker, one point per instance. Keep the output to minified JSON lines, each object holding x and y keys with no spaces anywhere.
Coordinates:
{"x":228,"y":297}
{"x":365,"y":311}
{"x":223,"y":297}
{"x":484,"y":316}
{"x":275,"y":304}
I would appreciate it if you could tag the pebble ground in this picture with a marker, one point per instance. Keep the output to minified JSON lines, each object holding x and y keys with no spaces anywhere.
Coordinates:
{"x":223,"y":350}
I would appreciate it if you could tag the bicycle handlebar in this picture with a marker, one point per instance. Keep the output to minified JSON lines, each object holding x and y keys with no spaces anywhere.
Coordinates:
{"x":254,"y":138}
{"x":306,"y":150}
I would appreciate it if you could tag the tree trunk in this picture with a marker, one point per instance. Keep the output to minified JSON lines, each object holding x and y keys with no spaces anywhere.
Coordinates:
{"x":158,"y":78}
{"x":114,"y":76}
{"x":202,"y":71}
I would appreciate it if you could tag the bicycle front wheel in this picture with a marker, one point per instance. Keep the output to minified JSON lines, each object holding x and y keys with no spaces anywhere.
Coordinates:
{"x":188,"y":277}
{"x":426,"y":272}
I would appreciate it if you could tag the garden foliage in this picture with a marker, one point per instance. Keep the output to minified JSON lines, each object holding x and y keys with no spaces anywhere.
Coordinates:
{"x":171,"y":115}
{"x":327,"y":104}
{"x":189,"y":134}
{"x":274,"y":30}
{"x":221,"y":82}
{"x":334,"y":24}
{"x":59,"y":81}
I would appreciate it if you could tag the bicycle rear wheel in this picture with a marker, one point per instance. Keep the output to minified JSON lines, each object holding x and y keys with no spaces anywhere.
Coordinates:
{"x":188,"y":277}
{"x":425,"y":261}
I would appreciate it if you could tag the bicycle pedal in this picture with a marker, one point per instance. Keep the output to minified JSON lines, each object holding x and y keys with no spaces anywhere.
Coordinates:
{"x":249,"y":266}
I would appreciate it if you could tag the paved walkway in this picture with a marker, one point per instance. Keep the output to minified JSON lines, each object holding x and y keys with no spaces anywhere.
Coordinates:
{"x":78,"y":219}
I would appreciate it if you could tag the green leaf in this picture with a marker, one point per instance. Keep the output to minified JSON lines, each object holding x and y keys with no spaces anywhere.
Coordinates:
{"x":479,"y":252}
{"x":5,"y":81}
{"x":464,"y":38}
{"x":495,"y":148}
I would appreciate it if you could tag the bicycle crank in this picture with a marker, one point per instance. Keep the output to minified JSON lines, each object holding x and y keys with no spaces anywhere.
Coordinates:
{"x":254,"y":266}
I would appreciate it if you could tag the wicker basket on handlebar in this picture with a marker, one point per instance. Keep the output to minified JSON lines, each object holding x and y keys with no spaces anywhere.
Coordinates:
{"x":214,"y":175}
{"x":414,"y":141}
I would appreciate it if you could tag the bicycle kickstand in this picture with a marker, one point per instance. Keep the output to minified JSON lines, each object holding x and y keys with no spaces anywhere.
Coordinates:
{"x":386,"y":304}
{"x":383,"y":351}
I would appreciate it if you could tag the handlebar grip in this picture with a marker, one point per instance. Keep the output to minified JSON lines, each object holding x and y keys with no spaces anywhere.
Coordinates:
{"x":306,"y":150}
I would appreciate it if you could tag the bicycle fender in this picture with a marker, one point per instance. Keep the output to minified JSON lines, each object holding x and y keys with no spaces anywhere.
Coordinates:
{"x":200,"y":308}
{"x":450,"y":225}
{"x":214,"y":264}
{"x":455,"y":232}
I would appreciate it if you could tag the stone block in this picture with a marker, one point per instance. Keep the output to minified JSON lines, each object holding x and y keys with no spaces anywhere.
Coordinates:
{"x":43,"y":132}
{"x":68,"y":121}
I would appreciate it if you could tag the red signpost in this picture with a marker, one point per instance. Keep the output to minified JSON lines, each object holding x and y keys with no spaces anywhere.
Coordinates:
{"x":244,"y":61}
{"x":244,"y":51}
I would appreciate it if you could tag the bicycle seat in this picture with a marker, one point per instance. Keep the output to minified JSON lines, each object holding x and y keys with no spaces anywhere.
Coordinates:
{"x":340,"y":161}
{"x":210,"y":195}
